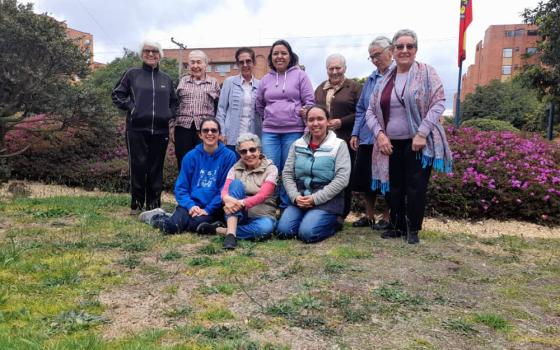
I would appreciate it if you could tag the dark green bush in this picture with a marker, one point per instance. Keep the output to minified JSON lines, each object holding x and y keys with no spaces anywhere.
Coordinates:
{"x":485,"y":124}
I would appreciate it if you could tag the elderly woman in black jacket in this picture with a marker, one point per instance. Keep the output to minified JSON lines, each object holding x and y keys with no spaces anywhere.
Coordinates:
{"x":148,"y":96}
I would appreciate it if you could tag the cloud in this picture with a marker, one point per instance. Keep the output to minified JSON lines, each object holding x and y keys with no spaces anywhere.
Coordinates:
{"x":315,"y":29}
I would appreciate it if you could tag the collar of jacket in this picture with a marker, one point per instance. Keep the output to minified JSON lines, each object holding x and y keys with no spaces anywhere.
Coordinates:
{"x":265,"y":162}
{"x":326,"y":145}
{"x":150,"y":68}
{"x":239,"y":81}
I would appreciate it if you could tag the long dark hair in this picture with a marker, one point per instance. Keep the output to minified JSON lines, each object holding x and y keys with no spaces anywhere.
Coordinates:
{"x":294,"y":59}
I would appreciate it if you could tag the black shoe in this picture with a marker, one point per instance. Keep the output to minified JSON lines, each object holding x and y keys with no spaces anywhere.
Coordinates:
{"x":363,"y":222}
{"x":381,"y":225}
{"x":230,"y":242}
{"x":412,"y":237}
{"x":391,"y":234}
{"x":207,"y":228}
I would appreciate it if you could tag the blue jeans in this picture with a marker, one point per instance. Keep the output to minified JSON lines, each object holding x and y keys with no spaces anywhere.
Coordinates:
{"x":178,"y":222}
{"x":310,"y":226}
{"x":275,"y":147}
{"x":258,"y":228}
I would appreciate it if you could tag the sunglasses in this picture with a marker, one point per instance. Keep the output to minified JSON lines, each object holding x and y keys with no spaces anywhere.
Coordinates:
{"x":401,"y":47}
{"x":209,"y":130}
{"x":245,"y":62}
{"x":153,"y":52}
{"x":244,"y":151}
{"x":376,"y":56}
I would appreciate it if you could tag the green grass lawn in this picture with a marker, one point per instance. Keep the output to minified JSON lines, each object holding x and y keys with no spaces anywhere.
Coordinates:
{"x":79,"y":273}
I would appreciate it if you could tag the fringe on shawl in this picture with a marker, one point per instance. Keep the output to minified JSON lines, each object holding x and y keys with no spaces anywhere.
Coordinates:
{"x":439,"y":164}
{"x":376,"y":184}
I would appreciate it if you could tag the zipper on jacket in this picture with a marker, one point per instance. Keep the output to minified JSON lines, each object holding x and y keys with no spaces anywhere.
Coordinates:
{"x":153,"y":101}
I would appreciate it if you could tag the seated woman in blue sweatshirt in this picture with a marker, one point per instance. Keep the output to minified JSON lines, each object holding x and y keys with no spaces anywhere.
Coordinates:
{"x":198,"y":187}
{"x":315,"y":175}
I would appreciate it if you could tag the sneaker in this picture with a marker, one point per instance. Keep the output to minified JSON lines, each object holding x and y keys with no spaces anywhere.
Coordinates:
{"x":381,"y":225}
{"x":207,"y":228}
{"x":412,"y":237}
{"x":391,"y":234}
{"x":230,"y":241}
{"x":363,"y":222}
{"x":148,"y":215}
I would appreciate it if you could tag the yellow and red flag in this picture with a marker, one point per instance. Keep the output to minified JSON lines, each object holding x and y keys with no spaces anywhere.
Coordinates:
{"x":465,"y":20}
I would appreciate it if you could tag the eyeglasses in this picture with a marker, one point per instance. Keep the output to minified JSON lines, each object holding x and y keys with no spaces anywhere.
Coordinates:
{"x":376,"y":56}
{"x":251,"y":150}
{"x":245,"y":62}
{"x":209,"y":130}
{"x":148,"y":51}
{"x":401,"y":47}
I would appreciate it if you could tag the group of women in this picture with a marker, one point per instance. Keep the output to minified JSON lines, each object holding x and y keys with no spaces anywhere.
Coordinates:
{"x":303,"y":146}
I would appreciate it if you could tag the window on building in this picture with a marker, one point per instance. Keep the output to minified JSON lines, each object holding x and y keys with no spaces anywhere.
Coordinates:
{"x":222,"y":68}
{"x":532,"y":32}
{"x":507,"y":53}
{"x":519,"y":32}
{"x":506,"y":70}
{"x":531,"y":50}
{"x":208,"y":68}
{"x":510,"y":33}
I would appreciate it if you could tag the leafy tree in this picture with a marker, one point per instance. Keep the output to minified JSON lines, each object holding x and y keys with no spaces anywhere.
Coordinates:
{"x":546,"y":77}
{"x":508,"y":101}
{"x":40,"y":69}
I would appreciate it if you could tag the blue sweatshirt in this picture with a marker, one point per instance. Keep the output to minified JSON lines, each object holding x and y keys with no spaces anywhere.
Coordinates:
{"x":202,"y":177}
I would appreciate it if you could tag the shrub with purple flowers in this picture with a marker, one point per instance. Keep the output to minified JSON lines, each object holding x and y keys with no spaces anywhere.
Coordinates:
{"x":500,"y":175}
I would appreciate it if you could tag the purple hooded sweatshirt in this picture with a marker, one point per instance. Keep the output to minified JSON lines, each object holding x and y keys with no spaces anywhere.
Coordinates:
{"x":280,"y":97}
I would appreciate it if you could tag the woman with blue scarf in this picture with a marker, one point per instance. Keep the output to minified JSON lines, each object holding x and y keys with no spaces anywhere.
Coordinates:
{"x":404,"y":117}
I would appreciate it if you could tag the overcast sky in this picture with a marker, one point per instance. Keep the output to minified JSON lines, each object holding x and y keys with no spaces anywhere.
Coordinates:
{"x":314,"y":28}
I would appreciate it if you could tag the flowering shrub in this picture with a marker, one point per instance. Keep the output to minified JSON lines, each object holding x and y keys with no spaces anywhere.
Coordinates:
{"x":499,"y":175}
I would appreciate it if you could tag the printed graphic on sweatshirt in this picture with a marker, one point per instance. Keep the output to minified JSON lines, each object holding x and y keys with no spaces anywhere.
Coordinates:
{"x":207,"y":178}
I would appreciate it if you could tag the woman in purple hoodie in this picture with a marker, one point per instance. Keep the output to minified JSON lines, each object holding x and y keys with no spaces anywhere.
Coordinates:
{"x":282,"y":93}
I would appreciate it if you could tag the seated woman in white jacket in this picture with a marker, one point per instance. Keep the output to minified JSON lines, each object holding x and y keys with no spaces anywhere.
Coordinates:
{"x":315,"y":175}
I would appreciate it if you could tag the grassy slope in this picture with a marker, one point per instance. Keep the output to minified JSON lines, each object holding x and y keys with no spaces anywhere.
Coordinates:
{"x":77,"y":272}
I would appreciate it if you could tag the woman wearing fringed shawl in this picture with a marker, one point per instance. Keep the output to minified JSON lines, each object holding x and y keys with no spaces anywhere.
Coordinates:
{"x":404,"y":117}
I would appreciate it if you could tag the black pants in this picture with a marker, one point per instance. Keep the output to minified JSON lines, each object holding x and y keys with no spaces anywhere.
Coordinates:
{"x":408,"y":185}
{"x":348,"y":189}
{"x":185,"y":140}
{"x":146,"y":154}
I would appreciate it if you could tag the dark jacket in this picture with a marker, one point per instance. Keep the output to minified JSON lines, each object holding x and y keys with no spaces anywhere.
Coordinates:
{"x":343,"y":105}
{"x":148,"y":96}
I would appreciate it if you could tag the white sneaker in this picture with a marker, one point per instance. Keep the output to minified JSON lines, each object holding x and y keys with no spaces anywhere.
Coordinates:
{"x":147,"y":216}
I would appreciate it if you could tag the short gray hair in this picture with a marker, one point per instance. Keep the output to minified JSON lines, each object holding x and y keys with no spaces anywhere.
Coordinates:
{"x":335,"y":56}
{"x":152,"y":43}
{"x":381,"y":41}
{"x":199,"y":53}
{"x":406,"y":32}
{"x":247,"y":137}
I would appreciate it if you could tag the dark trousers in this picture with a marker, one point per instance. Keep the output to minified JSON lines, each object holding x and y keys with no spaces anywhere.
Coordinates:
{"x":348,"y":189}
{"x":409,"y":182}
{"x":146,"y":155}
{"x":185,"y":140}
{"x":180,"y":221}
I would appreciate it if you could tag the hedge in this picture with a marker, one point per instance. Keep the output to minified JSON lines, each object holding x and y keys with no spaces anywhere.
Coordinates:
{"x":497,"y":174}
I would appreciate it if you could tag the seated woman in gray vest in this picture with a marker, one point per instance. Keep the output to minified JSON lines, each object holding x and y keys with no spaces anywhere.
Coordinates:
{"x":248,"y":195}
{"x":315,"y":175}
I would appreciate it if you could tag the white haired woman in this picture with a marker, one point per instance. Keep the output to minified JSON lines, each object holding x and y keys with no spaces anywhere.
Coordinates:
{"x":404,"y":118}
{"x":362,"y":138}
{"x":148,"y":96}
{"x":248,"y":195}
{"x":340,"y":95}
{"x":198,"y":96}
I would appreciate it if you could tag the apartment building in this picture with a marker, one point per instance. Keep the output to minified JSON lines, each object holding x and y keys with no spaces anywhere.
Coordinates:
{"x":504,"y":51}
